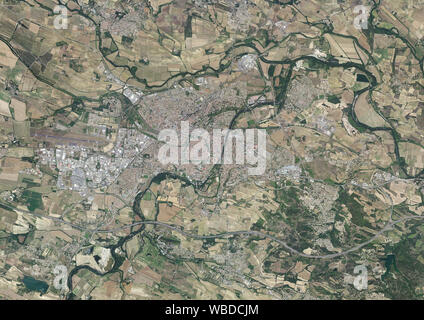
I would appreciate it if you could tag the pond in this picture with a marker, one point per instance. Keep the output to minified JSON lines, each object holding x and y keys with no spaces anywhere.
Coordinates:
{"x":35,"y":285}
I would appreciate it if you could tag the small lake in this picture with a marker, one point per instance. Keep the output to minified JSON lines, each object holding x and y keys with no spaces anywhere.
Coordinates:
{"x":35,"y":285}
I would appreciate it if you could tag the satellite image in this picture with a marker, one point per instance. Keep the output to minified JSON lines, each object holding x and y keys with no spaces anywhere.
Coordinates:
{"x":211,"y":150}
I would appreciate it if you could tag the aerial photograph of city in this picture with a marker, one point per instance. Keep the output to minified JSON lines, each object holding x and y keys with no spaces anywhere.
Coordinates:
{"x":211,"y":150}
